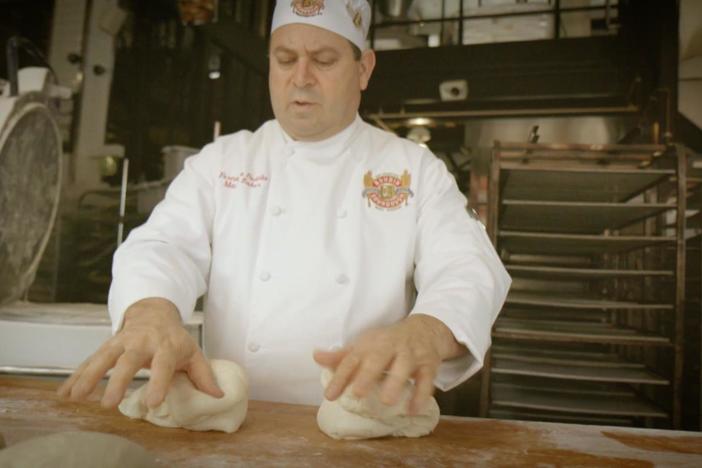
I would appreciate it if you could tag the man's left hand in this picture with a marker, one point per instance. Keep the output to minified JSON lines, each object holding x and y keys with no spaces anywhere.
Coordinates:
{"x":413,"y":348}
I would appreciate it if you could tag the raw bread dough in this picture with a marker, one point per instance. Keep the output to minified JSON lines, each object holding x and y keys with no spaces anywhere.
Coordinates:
{"x":76,"y":450}
{"x":187,"y":407}
{"x":349,"y":417}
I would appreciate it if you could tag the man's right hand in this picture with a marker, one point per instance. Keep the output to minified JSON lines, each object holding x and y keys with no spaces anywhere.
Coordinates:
{"x":152,"y":336}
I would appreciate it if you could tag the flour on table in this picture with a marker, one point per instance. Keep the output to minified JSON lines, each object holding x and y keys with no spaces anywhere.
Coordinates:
{"x":349,"y":417}
{"x":77,"y":450}
{"x":187,"y":407}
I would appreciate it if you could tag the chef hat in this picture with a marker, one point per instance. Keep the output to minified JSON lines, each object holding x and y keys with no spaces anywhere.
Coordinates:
{"x":348,"y":18}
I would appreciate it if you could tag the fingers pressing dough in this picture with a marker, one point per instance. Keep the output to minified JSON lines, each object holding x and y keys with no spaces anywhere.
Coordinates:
{"x":349,"y":417}
{"x":187,"y":407}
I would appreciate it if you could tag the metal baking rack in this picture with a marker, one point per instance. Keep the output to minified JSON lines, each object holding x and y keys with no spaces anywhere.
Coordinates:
{"x":594,"y":238}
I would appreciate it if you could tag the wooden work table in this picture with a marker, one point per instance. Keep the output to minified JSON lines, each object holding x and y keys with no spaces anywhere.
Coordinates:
{"x":281,"y":434}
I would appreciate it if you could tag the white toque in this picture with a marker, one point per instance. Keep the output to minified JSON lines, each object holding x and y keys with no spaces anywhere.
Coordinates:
{"x":347,"y":18}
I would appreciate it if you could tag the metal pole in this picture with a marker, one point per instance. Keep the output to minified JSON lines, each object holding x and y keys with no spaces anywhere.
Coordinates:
{"x":460,"y":24}
{"x":608,"y":14}
{"x":443,"y":21}
{"x":492,"y":228}
{"x":12,"y":65}
{"x":679,"y":330}
{"x":122,"y":201}
{"x":372,"y":25}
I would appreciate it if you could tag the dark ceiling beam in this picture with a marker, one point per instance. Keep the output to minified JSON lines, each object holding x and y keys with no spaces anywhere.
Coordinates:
{"x":589,"y":71}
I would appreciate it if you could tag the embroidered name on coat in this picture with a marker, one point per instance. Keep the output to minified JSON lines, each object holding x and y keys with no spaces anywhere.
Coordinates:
{"x":243,"y":178}
{"x":387,"y":191}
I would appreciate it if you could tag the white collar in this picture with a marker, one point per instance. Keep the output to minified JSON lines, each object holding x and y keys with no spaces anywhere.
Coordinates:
{"x":330,"y":147}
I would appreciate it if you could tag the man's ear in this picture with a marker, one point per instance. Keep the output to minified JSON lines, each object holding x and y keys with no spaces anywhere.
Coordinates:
{"x":366,"y":64}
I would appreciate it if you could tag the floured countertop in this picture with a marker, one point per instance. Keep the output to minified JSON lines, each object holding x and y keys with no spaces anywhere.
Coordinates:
{"x":277,"y":434}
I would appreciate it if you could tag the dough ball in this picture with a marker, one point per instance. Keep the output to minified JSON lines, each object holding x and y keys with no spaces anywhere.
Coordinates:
{"x":349,"y":417}
{"x":76,"y":450}
{"x":187,"y":407}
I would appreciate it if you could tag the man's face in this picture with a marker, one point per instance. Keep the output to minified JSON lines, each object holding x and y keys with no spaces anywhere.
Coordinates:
{"x":315,"y":82}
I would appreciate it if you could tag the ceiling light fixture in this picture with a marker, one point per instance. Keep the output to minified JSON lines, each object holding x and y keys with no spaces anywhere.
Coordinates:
{"x":419,"y":122}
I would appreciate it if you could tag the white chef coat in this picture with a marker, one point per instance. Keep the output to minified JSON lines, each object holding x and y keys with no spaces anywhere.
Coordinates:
{"x":299,"y":247}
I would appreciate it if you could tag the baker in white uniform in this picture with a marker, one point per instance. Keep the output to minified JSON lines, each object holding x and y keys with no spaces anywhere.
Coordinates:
{"x":308,"y":238}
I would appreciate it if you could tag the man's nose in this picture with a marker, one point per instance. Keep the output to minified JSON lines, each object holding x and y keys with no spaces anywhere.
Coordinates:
{"x":303,"y":75}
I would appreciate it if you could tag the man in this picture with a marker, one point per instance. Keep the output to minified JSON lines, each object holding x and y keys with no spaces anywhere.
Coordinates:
{"x":307,"y":236}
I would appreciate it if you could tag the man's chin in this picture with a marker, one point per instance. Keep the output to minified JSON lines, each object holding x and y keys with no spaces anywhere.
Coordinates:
{"x":306,"y":131}
{"x":303,"y":113}
{"x":302,"y":123}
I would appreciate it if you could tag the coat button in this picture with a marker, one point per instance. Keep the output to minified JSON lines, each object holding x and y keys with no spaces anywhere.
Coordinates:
{"x":289,"y":151}
{"x":341,"y":214}
{"x":264,"y":276}
{"x":276,"y":211}
{"x":253,"y":347}
{"x":342,"y":279}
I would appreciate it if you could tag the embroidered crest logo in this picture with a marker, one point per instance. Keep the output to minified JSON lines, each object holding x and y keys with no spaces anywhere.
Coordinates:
{"x":355,"y":14}
{"x":307,"y":8}
{"x":387,"y":191}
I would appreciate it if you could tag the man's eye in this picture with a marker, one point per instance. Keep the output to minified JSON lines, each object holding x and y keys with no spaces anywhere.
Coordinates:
{"x":286,"y":61}
{"x":325,"y":63}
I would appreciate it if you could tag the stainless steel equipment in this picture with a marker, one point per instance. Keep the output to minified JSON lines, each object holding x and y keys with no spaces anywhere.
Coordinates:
{"x":30,"y":179}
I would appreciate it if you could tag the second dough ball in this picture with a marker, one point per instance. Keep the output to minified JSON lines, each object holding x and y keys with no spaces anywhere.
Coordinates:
{"x":349,"y":417}
{"x":186,"y":406}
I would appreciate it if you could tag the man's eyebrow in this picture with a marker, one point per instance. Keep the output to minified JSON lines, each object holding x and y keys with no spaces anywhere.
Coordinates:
{"x":312,"y":52}
{"x":322,"y":50}
{"x":283,"y":49}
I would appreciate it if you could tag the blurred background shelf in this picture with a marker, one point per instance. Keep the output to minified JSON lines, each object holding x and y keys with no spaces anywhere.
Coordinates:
{"x":577,"y":184}
{"x":569,"y":331}
{"x":572,"y":301}
{"x":582,"y":402}
{"x":594,"y":239}
{"x":575,"y":244}
{"x":575,"y":217}
{"x":584,"y":273}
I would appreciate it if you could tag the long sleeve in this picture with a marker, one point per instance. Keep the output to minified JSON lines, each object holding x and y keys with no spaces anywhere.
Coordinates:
{"x":459,"y":277}
{"x":169,"y":256}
